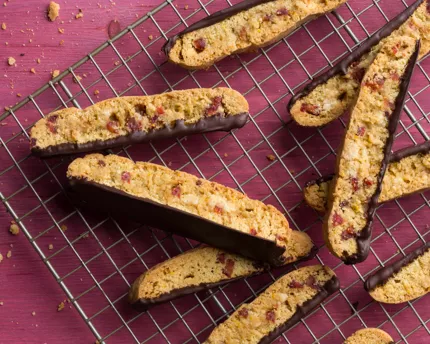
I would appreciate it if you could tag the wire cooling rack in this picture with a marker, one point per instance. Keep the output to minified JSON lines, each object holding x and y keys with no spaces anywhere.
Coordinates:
{"x":96,"y":258}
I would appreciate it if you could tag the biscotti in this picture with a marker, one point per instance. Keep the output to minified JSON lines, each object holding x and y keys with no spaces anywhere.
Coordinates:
{"x":404,"y":280}
{"x":278,"y":308}
{"x":243,"y":27}
{"x":126,"y":120}
{"x":363,"y":156}
{"x":369,"y":336}
{"x":204,"y":268}
{"x":331,"y":94}
{"x":181,"y":203}
{"x":408,"y":172}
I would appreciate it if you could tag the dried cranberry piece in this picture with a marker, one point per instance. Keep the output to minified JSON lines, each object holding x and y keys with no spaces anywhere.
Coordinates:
{"x":101,"y":163}
{"x":220,"y":258}
{"x":348,"y":233}
{"x":337,"y":219}
{"x":311,"y":109}
{"x":243,"y":312}
{"x":218,"y":209}
{"x":282,"y":12}
{"x":243,"y":34}
{"x":271,"y":316}
{"x":311,"y":282}
{"x":213,"y":108}
{"x":376,"y":84}
{"x":199,"y":44}
{"x":268,"y":17}
{"x":361,"y":131}
{"x":228,"y":269}
{"x":176,"y":191}
{"x":395,"y":76}
{"x":160,"y":110}
{"x":133,"y":124}
{"x":51,"y":127}
{"x":113,"y":126}
{"x":126,"y":177}
{"x":295,"y":284}
{"x":199,"y":182}
{"x":53,"y":119}
{"x":367,"y":182}
{"x":395,"y":49}
{"x":280,"y":237}
{"x":253,"y":231}
{"x":354,"y":183}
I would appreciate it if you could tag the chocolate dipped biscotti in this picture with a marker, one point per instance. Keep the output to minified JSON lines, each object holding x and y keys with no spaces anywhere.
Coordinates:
{"x":206,"y":267}
{"x":332,"y":94}
{"x":243,"y":27}
{"x":180,"y":203}
{"x":364,"y":153}
{"x":278,"y":308}
{"x":404,"y":280}
{"x":369,"y":336}
{"x":408,"y":172}
{"x":126,"y":120}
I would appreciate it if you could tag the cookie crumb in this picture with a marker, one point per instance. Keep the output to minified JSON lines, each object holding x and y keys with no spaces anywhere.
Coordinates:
{"x":62,"y":42}
{"x":79,"y":15}
{"x":63,"y":227}
{"x":186,"y":7}
{"x":50,"y":247}
{"x":77,"y":79}
{"x":1,"y":257}
{"x":38,"y":61}
{"x":32,"y":70}
{"x":271,"y":157}
{"x":116,"y":63}
{"x":225,"y":155}
{"x":11,"y":61}
{"x":55,"y":73}
{"x":96,"y":92}
{"x":53,"y":11}
{"x":151,"y":37}
{"x":60,"y":307}
{"x":9,"y":254}
{"x":1,"y":303}
{"x":3,"y":26}
{"x":60,"y":30}
{"x":14,"y":229}
{"x":33,"y":313}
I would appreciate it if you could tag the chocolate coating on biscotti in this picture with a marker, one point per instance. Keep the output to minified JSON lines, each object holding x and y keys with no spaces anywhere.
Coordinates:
{"x":180,"y":129}
{"x":104,"y":198}
{"x":342,"y":66}
{"x":423,"y":148}
{"x":382,"y":275}
{"x":327,"y":289}
{"x":363,"y":238}
{"x":144,"y":303}
{"x":213,"y":19}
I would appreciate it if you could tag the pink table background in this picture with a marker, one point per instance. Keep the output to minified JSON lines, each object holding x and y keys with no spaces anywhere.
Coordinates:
{"x":25,"y":283}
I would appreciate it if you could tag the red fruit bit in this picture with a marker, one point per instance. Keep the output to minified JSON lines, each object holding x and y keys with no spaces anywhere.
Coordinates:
{"x":354,"y":183}
{"x":253,"y":231}
{"x":376,"y":84}
{"x":199,"y":44}
{"x":243,"y":34}
{"x":199,"y":182}
{"x":244,"y":312}
{"x":228,"y":269}
{"x":176,"y":191}
{"x":389,"y":104}
{"x":133,"y":124}
{"x":295,"y":284}
{"x":220,"y":258}
{"x":126,"y":177}
{"x":160,"y":110}
{"x":311,"y":282}
{"x":101,"y":163}
{"x":395,"y":76}
{"x":268,"y":17}
{"x":271,"y":316}
{"x":361,"y":131}
{"x":337,"y":219}
{"x":53,"y":119}
{"x":367,"y":182}
{"x":282,"y":12}
{"x":112,"y":126}
{"x":311,"y":109}
{"x":218,"y":209}
{"x":280,"y":237}
{"x":213,"y":108}
{"x":51,"y":127}
{"x":348,"y":233}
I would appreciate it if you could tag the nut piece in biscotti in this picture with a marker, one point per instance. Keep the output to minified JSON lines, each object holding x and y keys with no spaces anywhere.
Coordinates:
{"x":404,"y":280}
{"x":204,"y":268}
{"x":364,"y":154}
{"x":243,"y":27}
{"x":332,"y":94}
{"x":407,"y":173}
{"x":369,"y":336}
{"x":182,"y":203}
{"x":278,"y":308}
{"x":125,"y":120}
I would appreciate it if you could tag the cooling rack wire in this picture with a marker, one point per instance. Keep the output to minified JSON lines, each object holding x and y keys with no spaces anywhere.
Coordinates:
{"x":96,"y":258}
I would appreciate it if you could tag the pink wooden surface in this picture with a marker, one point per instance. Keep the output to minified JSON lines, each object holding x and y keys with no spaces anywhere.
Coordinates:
{"x":25,"y":283}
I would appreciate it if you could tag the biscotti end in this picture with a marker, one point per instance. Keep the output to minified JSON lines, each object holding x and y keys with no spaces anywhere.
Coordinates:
{"x":364,"y":154}
{"x":402,"y":281}
{"x":369,"y":336}
{"x":278,"y":308}
{"x":315,"y":193}
{"x":126,"y":120}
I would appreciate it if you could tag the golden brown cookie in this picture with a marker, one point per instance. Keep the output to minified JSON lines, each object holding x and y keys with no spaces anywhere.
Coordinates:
{"x":369,"y":336}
